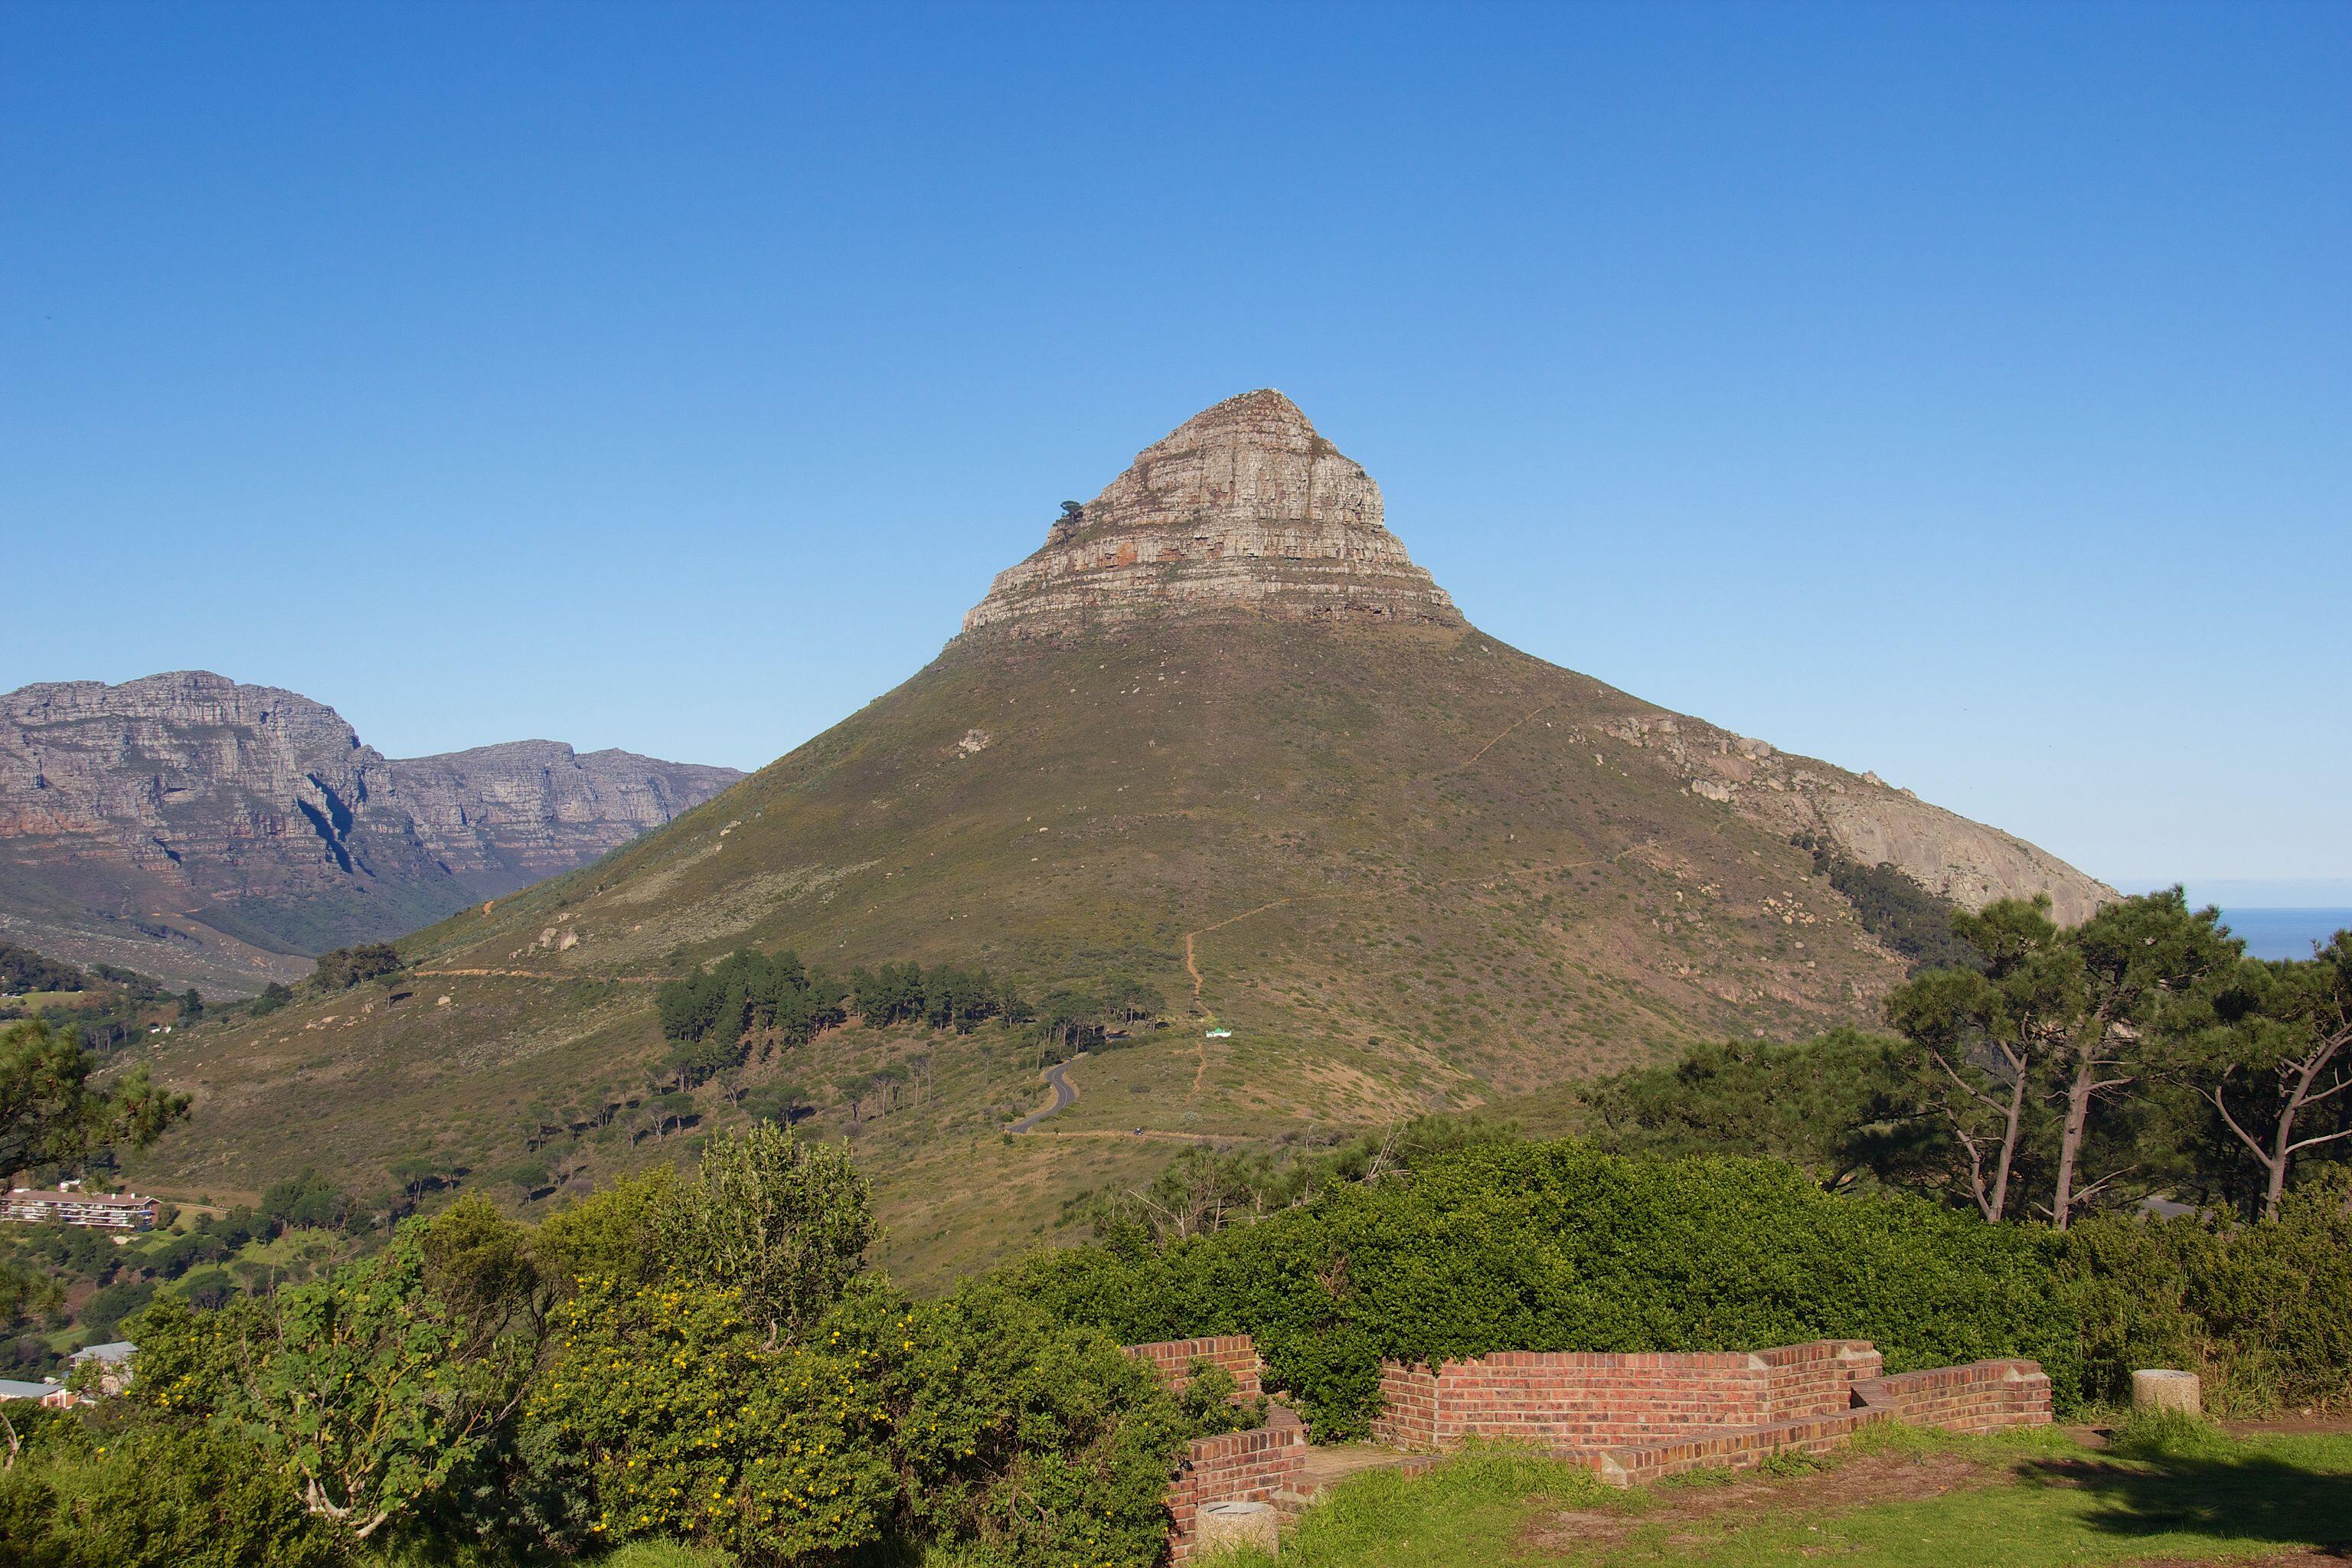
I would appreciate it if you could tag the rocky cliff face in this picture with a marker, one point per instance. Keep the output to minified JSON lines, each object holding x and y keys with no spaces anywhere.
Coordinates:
{"x":203,"y":830}
{"x":501,"y":818}
{"x":1241,"y":511}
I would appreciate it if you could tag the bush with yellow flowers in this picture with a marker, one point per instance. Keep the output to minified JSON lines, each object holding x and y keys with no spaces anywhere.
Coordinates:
{"x":666,"y":1413}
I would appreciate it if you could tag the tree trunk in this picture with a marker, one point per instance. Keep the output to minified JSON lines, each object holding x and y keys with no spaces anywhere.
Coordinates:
{"x":2070,"y":1141}
{"x":2008,"y":1148}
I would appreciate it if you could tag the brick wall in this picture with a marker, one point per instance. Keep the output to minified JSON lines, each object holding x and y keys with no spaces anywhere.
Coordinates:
{"x":1579,"y":1400}
{"x":1982,"y":1397}
{"x":1573,"y":1400}
{"x":1407,"y":1418}
{"x":1816,"y":1379}
{"x":1173,"y":1359}
{"x":1639,"y":1417}
{"x":1256,"y":1465}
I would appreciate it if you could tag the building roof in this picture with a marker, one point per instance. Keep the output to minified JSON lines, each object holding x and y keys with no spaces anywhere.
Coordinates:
{"x":17,"y":1388}
{"x":102,"y":1200}
{"x":113,"y":1351}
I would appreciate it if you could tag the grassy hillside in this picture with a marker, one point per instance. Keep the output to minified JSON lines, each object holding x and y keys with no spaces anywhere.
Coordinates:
{"x":1407,"y":868}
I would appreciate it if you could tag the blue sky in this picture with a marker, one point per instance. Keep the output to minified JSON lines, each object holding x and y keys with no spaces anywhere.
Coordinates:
{"x":1960,"y":392}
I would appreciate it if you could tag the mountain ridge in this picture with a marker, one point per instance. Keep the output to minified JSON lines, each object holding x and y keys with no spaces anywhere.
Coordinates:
{"x":213,"y":832}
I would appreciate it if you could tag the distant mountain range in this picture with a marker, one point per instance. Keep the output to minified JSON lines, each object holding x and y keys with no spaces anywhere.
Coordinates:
{"x":216,"y":835}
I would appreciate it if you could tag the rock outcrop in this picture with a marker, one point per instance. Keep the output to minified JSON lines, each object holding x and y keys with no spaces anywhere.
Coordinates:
{"x":1868,"y":819}
{"x":1241,"y":511}
{"x":202,"y":830}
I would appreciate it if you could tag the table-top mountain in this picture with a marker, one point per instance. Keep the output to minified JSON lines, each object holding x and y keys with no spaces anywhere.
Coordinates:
{"x":1219,"y":736}
{"x":212,"y":834}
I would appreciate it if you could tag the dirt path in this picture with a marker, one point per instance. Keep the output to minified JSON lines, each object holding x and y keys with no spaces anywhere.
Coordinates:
{"x":1857,"y":1482}
{"x":1480,"y":751}
{"x":536,"y":974}
{"x":1142,"y":1134}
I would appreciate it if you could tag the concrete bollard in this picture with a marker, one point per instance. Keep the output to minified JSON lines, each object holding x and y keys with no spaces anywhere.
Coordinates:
{"x":2157,"y":1389}
{"x":1237,"y":1524}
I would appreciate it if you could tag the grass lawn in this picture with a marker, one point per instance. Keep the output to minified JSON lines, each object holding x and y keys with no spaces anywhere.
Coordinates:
{"x":1896,"y":1497}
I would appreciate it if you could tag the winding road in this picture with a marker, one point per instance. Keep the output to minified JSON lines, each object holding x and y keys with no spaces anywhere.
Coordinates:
{"x":1063,"y":1096}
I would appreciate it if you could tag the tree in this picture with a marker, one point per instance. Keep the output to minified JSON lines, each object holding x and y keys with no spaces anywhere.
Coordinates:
{"x":49,"y":1113}
{"x":1833,"y":1104}
{"x":784,"y":1222}
{"x":306,"y":1202}
{"x":2070,"y":1011}
{"x":1983,"y":1033}
{"x":348,"y":966}
{"x":368,"y":1392}
{"x":22,"y":969}
{"x":665,"y":1415}
{"x":2279,"y":1048}
{"x":2144,"y":960}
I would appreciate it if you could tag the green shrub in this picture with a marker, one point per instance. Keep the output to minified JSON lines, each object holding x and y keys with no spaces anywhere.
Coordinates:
{"x":151,"y":1495}
{"x":2263,"y":1311}
{"x":348,"y":966}
{"x":1556,"y":1246}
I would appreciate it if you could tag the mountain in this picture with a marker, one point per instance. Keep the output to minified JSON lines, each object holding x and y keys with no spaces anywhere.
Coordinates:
{"x":1218,"y":734}
{"x":212,"y":834}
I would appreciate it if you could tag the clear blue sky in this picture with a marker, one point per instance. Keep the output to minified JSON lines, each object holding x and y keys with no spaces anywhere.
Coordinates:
{"x":1961,"y":392}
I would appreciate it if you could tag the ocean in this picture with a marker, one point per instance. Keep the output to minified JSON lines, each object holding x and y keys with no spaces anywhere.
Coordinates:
{"x":2284,"y":933}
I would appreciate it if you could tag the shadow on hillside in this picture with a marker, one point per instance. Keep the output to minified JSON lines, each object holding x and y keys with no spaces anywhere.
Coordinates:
{"x":2251,"y":1497}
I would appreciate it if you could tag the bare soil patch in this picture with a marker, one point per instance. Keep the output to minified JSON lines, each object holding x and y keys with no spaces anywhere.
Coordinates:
{"x":1857,"y":1481}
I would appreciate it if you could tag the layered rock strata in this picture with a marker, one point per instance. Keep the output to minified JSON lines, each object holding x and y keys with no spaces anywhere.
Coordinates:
{"x":1241,"y":511}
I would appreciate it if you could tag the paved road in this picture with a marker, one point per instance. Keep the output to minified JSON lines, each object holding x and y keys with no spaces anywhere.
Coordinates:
{"x":1063,"y":1095}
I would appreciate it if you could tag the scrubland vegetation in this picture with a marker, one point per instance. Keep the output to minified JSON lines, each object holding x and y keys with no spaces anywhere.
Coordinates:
{"x":707,"y":1362}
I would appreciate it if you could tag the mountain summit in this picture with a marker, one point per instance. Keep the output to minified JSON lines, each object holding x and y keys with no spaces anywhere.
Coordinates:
{"x":1241,"y":513}
{"x":1219,"y":740}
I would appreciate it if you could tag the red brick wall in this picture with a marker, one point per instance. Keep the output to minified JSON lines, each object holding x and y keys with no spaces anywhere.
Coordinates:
{"x":1254,"y":1466}
{"x":1579,"y":1400}
{"x":1982,"y":1397}
{"x":1816,"y":1379}
{"x":1241,"y":1467}
{"x":1173,"y":1359}
{"x":1407,"y":1418}
{"x":1574,"y":1400}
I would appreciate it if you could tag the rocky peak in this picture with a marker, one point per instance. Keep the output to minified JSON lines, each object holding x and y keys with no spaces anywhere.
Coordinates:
{"x":1244,"y":512}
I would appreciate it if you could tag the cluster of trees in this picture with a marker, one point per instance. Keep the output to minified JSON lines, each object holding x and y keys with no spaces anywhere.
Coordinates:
{"x":943,"y":997}
{"x":1891,"y":907}
{"x":110,"y":1006}
{"x":2137,"y":1055}
{"x":747,"y":1002}
{"x":22,"y":969}
{"x":705,"y":1360}
{"x":348,"y":966}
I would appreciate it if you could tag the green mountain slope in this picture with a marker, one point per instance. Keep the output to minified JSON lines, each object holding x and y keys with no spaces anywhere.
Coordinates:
{"x":1405,"y":866}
